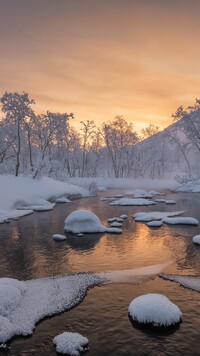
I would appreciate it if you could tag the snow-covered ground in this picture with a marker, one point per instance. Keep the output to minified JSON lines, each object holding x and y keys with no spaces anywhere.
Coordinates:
{"x":29,"y":194}
{"x":142,"y":185}
{"x":127,"y":183}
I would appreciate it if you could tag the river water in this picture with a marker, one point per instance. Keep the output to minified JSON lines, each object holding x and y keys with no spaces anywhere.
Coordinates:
{"x":28,"y":251}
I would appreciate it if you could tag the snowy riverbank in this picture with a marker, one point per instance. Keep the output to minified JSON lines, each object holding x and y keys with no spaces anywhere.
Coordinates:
{"x":31,"y":194}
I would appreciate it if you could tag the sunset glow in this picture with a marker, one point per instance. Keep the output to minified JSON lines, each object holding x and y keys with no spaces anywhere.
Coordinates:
{"x":102,"y":58}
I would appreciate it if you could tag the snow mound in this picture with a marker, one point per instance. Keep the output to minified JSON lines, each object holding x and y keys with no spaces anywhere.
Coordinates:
{"x":196,"y":239}
{"x":190,"y":282}
{"x":154,"y":309}
{"x":155,"y":215}
{"x":181,"y":220}
{"x":59,"y":237}
{"x":133,"y":202}
{"x":70,"y":343}
{"x":84,"y":221}
{"x":155,"y":223}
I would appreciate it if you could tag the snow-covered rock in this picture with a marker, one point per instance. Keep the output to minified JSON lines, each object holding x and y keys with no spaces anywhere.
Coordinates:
{"x":123,"y":216}
{"x":170,"y":201}
{"x":181,"y":220}
{"x":160,"y":200}
{"x":133,"y":202}
{"x":70,"y":343}
{"x":196,"y":239}
{"x":155,"y":215}
{"x":116,"y":224}
{"x":59,"y":237}
{"x":154,"y":309}
{"x":110,"y":220}
{"x":155,"y":223}
{"x":84,"y":221}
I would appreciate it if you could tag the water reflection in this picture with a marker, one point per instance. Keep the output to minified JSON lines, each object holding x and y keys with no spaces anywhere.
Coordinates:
{"x":154,"y":332}
{"x":83,"y":243}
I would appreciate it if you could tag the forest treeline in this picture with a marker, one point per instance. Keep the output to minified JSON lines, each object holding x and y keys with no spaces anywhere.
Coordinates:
{"x":48,"y":144}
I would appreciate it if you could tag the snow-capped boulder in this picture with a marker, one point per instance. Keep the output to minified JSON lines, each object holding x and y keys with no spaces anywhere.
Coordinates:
{"x":155,"y":223}
{"x":59,"y":237}
{"x":123,"y":216}
{"x":154,"y":309}
{"x":70,"y":343}
{"x":196,"y":239}
{"x":84,"y":221}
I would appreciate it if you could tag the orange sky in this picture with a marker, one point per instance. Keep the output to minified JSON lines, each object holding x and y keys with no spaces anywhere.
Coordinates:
{"x":101,"y":58}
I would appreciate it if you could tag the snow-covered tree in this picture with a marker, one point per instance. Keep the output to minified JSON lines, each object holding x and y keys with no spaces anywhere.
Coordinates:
{"x":17,"y":109}
{"x":120,"y":139}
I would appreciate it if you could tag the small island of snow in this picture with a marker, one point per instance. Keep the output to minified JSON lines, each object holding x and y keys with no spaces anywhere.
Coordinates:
{"x":154,"y":309}
{"x":70,"y":343}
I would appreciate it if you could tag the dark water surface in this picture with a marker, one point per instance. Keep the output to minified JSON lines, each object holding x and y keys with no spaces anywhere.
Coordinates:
{"x":28,"y":251}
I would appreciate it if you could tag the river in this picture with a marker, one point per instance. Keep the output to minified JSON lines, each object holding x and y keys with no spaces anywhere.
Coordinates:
{"x":28,"y":251}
